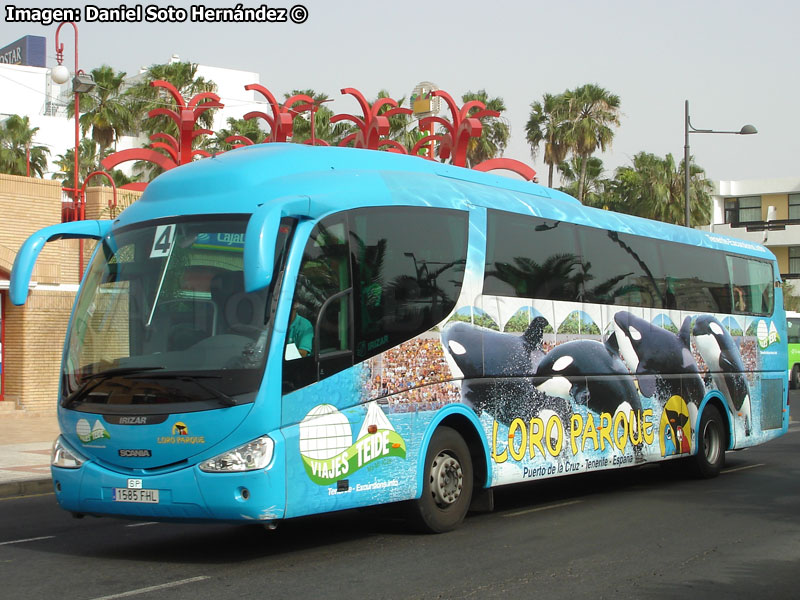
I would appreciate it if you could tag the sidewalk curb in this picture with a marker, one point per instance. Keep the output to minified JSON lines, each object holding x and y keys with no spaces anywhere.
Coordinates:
{"x":31,"y":487}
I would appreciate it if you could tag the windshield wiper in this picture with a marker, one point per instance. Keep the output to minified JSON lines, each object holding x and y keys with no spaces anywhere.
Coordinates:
{"x":92,"y":380}
{"x":196,"y":379}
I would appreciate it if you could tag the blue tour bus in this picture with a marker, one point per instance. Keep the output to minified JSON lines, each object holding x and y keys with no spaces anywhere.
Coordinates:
{"x":284,"y":330}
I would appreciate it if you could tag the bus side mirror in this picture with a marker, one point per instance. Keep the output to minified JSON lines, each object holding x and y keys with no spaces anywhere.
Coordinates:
{"x":261,"y":235}
{"x":29,"y":252}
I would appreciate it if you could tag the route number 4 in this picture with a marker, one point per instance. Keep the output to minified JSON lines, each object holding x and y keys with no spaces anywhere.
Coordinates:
{"x":163,"y":240}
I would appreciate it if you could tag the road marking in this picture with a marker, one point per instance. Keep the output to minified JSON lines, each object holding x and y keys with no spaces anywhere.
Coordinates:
{"x":142,"y":524}
{"x":744,"y":468}
{"x":44,"y":537}
{"x":540,"y":508}
{"x":153,"y":588}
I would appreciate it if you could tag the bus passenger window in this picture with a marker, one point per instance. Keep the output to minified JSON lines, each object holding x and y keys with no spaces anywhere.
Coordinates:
{"x":409,"y":265}
{"x":318,"y":336}
{"x":752,"y":289}
{"x":695,"y":279}
{"x":529,"y":257}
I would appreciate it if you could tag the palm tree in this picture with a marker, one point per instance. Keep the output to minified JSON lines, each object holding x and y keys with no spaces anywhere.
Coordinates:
{"x":653,"y":188}
{"x":592,"y":112}
{"x":106,"y":109}
{"x":17,"y":152}
{"x":548,"y":123}
{"x":559,"y":276}
{"x":495,"y":132}
{"x":89,"y":157}
{"x":324,"y":130}
{"x":402,"y":128}
{"x":594,"y":185}
{"x":247,"y":128}
{"x":144,"y":97}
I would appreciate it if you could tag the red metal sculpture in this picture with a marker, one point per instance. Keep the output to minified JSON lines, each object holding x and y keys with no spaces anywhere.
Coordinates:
{"x":507,"y":164}
{"x":281,"y":123}
{"x":374,"y":125}
{"x":458,"y":132}
{"x":179,"y":151}
{"x":371,"y":133}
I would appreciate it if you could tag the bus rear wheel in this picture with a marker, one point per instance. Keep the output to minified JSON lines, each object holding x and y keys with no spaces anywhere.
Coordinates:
{"x":710,"y":457}
{"x":794,"y":381}
{"x":447,"y":483}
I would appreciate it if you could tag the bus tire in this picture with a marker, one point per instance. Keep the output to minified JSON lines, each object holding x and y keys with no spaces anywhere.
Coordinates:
{"x":710,"y":457}
{"x":794,"y":380}
{"x":447,"y":483}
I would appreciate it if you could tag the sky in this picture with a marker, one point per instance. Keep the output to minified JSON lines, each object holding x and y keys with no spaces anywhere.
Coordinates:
{"x":735,"y":62}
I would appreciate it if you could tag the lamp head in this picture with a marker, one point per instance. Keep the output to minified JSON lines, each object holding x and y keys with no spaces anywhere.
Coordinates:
{"x":748,"y":130}
{"x":82,"y":83}
{"x":59,"y":74}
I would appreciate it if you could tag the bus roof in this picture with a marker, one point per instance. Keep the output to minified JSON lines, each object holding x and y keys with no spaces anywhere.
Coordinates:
{"x":333,"y":178}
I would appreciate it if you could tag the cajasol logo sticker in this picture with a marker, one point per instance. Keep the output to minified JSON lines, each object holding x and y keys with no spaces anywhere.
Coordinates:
{"x":88,"y":434}
{"x":767,"y":334}
{"x":327,"y":447}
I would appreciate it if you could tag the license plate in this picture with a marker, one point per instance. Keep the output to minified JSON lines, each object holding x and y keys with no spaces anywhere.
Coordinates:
{"x":135,"y":495}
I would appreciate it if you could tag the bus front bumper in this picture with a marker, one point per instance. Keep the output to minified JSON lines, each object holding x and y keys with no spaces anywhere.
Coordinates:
{"x":188,"y":494}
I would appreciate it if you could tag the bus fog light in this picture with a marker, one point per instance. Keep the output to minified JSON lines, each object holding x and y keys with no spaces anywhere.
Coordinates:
{"x":65,"y":457}
{"x":248,"y":457}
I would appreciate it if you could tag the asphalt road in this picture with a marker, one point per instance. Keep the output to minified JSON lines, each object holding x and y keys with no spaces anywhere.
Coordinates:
{"x":635,"y":533}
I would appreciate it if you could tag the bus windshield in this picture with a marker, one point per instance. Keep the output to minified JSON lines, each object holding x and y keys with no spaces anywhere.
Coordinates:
{"x":163,"y":318}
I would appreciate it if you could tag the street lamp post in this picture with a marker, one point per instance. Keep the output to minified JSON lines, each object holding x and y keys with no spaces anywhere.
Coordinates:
{"x":687,"y":129}
{"x":81,"y":83}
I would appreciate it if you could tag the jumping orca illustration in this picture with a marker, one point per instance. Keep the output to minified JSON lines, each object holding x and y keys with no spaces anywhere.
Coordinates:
{"x":497,"y":368}
{"x":721,"y":355}
{"x":661,"y":361}
{"x":589,"y":373}
{"x":482,"y":352}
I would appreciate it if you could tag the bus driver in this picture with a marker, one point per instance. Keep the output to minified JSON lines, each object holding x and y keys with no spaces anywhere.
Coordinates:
{"x":300,"y":337}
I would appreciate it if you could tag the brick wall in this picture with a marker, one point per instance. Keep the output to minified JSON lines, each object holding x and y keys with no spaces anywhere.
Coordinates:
{"x":26,"y":205}
{"x":34,"y":333}
{"x":32,"y":352}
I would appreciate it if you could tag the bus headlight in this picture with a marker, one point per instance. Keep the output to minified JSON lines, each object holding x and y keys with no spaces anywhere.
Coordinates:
{"x":248,"y":457}
{"x":65,"y":457}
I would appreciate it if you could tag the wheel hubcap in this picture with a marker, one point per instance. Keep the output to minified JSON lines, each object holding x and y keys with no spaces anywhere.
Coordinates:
{"x":447,"y":480}
{"x":711,"y":443}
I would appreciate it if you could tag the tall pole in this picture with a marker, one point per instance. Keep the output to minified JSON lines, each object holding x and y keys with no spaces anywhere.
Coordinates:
{"x":78,"y":212}
{"x":687,"y":129}
{"x":686,"y":200}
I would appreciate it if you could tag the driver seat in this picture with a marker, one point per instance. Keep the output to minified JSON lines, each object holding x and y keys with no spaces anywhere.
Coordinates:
{"x":235,"y":308}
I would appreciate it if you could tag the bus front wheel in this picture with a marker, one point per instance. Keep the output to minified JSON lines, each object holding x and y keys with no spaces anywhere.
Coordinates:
{"x":447,"y":483}
{"x":710,"y":457}
{"x":794,"y":381}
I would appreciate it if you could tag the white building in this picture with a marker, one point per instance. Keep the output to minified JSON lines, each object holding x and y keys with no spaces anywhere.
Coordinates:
{"x":765,"y":211}
{"x":29,"y":91}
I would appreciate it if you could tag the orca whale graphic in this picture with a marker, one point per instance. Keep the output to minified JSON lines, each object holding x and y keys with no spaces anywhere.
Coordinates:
{"x":724,"y":362}
{"x":509,"y":376}
{"x":497,"y":369}
{"x":661,"y":361}
{"x":590,"y":374}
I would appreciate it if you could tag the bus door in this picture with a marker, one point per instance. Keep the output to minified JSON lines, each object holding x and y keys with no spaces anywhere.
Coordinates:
{"x":319,"y":339}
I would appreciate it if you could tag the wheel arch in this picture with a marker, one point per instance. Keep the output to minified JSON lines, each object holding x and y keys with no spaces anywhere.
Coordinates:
{"x":715,"y":399}
{"x":466,"y":424}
